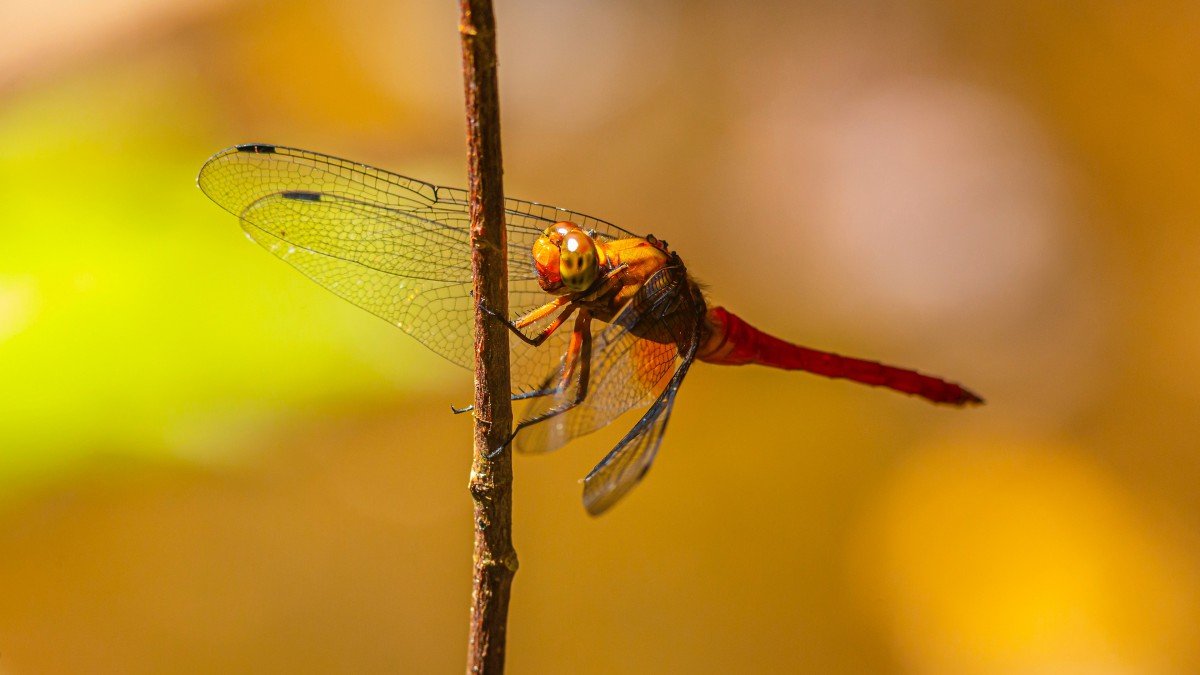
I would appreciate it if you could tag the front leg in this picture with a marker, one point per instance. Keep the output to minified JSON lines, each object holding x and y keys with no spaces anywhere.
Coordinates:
{"x":571,"y":300}
{"x":515,"y":326}
{"x":535,"y":341}
{"x":539,"y":313}
{"x":579,"y":353}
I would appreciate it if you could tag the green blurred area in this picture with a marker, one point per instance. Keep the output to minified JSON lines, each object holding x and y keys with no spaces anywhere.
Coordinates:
{"x":136,"y":323}
{"x":208,"y":463}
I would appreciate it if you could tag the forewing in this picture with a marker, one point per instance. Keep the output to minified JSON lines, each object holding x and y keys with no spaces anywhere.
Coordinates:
{"x":395,"y":246}
{"x":633,"y":360}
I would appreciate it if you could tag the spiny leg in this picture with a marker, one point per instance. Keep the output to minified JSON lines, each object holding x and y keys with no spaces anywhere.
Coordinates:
{"x":536,"y":393}
{"x":579,"y":352}
{"x":538,"y":313}
{"x":570,"y":361}
{"x":580,"y":335}
{"x":536,"y":341}
{"x":601,"y":287}
{"x":515,"y":326}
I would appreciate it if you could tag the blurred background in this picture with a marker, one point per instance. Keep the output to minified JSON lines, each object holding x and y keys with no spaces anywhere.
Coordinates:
{"x":210,"y":464}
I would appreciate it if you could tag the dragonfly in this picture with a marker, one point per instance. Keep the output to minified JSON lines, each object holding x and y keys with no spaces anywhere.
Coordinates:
{"x":399,"y":248}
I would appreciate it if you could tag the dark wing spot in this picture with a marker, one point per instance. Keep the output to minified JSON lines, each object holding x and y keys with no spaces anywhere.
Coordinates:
{"x":301,"y":195}
{"x":256,"y":147}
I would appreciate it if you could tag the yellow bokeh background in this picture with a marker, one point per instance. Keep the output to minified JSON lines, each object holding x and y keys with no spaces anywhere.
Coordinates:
{"x":209,"y":464}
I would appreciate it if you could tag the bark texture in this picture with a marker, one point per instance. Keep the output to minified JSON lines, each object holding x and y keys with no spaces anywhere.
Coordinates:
{"x":495,"y":560}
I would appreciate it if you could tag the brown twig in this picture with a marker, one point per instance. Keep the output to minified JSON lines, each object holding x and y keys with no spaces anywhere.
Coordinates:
{"x":491,"y":479}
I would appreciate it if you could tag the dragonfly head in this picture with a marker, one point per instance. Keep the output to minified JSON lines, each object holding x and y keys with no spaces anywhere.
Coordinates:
{"x":566,"y":258}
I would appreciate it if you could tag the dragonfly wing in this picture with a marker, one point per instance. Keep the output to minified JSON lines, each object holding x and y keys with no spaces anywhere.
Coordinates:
{"x":395,"y":246}
{"x":541,"y":216}
{"x":634,"y":358}
{"x":381,"y":260}
{"x":629,"y":461}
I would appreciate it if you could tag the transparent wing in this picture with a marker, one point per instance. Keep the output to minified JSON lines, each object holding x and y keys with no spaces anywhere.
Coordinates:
{"x":628,"y":462}
{"x":395,"y":246}
{"x":635,"y":359}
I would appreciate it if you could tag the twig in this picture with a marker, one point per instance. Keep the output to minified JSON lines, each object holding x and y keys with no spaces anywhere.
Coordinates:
{"x":491,"y":479}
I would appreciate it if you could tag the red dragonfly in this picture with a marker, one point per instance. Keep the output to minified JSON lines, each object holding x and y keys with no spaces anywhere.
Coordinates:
{"x":397,"y":247}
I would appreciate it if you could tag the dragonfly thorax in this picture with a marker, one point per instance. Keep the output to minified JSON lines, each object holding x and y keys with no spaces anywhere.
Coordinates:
{"x":567,"y":258}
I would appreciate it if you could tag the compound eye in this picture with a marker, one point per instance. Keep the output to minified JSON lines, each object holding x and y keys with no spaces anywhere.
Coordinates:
{"x":577,"y":261}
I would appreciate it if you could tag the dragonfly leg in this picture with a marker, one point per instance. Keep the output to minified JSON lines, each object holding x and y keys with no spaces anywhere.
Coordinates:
{"x":539,"y":313}
{"x":537,"y":393}
{"x":515,"y":397}
{"x":516,"y":326}
{"x":570,"y":300}
{"x":579,"y":352}
{"x":553,"y":326}
{"x":570,"y":361}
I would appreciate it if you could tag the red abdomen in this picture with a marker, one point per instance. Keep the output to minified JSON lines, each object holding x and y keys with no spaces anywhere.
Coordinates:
{"x":731,"y":341}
